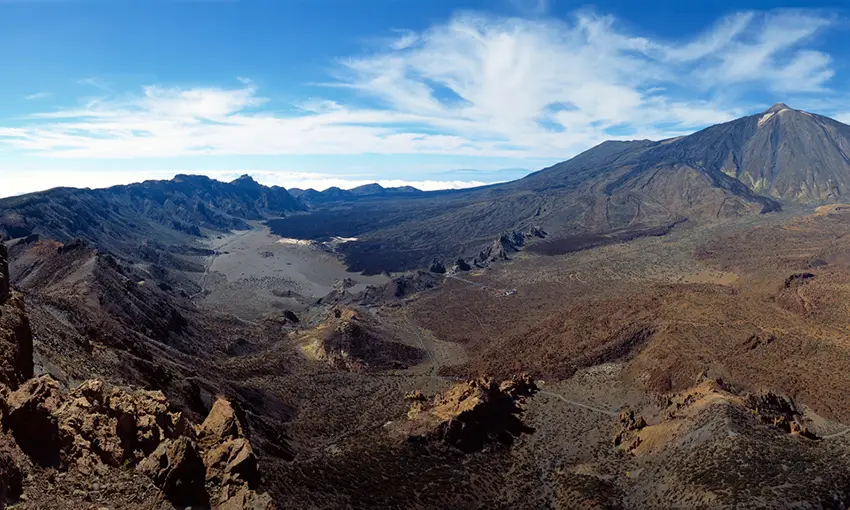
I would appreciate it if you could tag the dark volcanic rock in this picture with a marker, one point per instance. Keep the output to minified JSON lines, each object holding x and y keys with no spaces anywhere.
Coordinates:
{"x":177,"y":468}
{"x":31,"y":417}
{"x":462,"y":265}
{"x":437,"y":267}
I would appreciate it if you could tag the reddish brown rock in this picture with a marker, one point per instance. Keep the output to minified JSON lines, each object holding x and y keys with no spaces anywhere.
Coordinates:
{"x":11,"y":470}
{"x":220,"y":425}
{"x":16,"y":346}
{"x":117,"y":427}
{"x":31,"y":418}
{"x":176,"y":468}
{"x":467,"y":416}
{"x":232,"y":462}
{"x":245,"y":499}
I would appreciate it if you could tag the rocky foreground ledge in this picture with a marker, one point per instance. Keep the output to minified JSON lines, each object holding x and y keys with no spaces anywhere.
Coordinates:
{"x":91,"y":431}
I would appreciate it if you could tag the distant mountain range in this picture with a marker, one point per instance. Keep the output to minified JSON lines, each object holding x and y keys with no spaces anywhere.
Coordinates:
{"x":121,"y":217}
{"x":334,"y":194}
{"x":747,"y":166}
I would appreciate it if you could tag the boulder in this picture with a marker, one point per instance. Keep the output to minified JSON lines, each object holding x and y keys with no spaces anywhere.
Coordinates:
{"x":32,"y":420}
{"x":536,"y":231}
{"x":242,"y":498}
{"x":437,"y":267}
{"x":462,"y":265}
{"x":177,"y":468}
{"x":232,"y":462}
{"x":220,"y":425}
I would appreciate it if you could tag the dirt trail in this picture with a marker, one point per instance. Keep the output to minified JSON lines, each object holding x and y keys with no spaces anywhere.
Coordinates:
{"x":216,"y":252}
{"x":579,"y":404}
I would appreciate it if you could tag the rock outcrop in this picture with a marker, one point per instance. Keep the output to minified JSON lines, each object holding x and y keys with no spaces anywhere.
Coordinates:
{"x":96,"y":427}
{"x":470,"y":415}
{"x":437,"y":267}
{"x":176,"y":467}
{"x":15,"y":334}
{"x":779,"y":411}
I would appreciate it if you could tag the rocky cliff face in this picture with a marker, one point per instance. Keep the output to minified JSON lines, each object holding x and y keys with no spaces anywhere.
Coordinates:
{"x":15,"y":334}
{"x":4,"y":273}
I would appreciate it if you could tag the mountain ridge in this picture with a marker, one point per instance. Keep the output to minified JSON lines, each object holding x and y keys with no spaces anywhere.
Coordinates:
{"x":750,"y":165}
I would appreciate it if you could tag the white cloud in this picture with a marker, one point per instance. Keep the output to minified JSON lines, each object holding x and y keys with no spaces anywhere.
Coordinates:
{"x":37,"y":95}
{"x":765,"y":49}
{"x":843,"y":117}
{"x":476,"y":85}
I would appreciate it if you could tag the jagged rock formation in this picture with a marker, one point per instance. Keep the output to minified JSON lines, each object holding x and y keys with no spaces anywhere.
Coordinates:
{"x":96,"y":426}
{"x":437,"y":267}
{"x":470,"y":415}
{"x":398,"y":288}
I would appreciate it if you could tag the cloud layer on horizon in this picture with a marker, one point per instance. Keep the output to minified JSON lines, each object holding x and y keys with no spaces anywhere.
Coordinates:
{"x":476,"y":85}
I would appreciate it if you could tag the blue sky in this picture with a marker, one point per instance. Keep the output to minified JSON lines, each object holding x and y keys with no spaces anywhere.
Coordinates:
{"x":342,"y":92}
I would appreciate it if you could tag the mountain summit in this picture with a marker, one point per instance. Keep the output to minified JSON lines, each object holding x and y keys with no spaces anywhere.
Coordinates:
{"x":778,"y":107}
{"x":782,"y":153}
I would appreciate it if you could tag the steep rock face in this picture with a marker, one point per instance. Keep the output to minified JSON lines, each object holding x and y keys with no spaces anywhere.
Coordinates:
{"x":16,"y":345}
{"x":4,"y":273}
{"x":78,"y":277}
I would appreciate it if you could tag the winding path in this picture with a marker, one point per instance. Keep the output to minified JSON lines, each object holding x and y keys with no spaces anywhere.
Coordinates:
{"x":837,"y":434}
{"x":579,"y":404}
{"x":216,"y":253}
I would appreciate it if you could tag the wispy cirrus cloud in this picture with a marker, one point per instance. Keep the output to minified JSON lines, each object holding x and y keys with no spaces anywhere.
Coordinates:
{"x":476,"y":85}
{"x":37,"y":95}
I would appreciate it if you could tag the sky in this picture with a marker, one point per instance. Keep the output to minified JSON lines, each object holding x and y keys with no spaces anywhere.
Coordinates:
{"x":434,"y":94}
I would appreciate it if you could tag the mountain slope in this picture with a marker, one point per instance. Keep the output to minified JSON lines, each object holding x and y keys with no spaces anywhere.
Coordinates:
{"x":611,"y":187}
{"x":747,"y":166}
{"x":122,"y":217}
{"x":310,"y":197}
{"x":783,"y":153}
